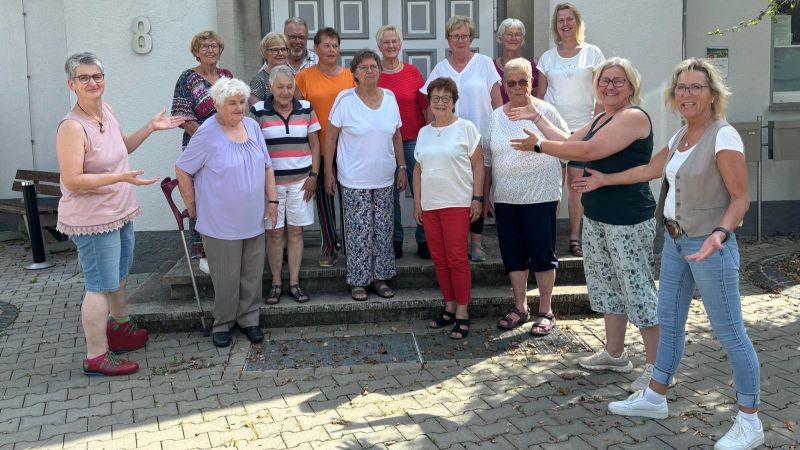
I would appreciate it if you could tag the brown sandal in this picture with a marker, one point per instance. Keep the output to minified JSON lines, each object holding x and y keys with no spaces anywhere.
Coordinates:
{"x":298,"y":294}
{"x":274,"y":296}
{"x":382,"y":289}
{"x":576,"y":248}
{"x":509,"y":322}
{"x":540,"y":329}
{"x":359,"y":293}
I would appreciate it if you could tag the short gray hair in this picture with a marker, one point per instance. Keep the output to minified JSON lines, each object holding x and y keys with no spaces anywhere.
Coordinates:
{"x":228,"y":87}
{"x":81,"y":59}
{"x":510,"y":23}
{"x":296,"y":21}
{"x":277,"y":71}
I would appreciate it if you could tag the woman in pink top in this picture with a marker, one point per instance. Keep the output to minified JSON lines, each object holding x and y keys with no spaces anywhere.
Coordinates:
{"x":96,"y":211}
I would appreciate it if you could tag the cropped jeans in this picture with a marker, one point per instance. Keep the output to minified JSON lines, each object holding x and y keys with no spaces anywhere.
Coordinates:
{"x":717,"y":278}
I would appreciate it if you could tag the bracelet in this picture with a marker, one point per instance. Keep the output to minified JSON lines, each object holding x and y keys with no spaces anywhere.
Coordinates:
{"x":313,"y":174}
{"x":274,"y":202}
{"x":477,"y":198}
{"x":538,"y":118}
{"x":403,"y":167}
{"x":725,"y":231}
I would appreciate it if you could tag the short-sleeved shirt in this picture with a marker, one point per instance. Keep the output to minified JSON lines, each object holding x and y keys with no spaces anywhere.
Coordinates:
{"x":287,"y":138}
{"x":522,"y":178}
{"x":405,"y":84}
{"x":444,"y":157}
{"x":534,"y":78}
{"x":727,"y":139}
{"x":475,"y":83}
{"x":321,"y":90}
{"x":365,"y":156}
{"x":229,"y":180}
{"x":626,"y":204}
{"x":311,"y":59}
{"x":569,"y":83}
{"x":192,"y":100}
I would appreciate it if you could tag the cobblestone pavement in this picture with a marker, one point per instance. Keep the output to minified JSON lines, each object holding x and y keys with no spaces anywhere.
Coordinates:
{"x":192,"y":395}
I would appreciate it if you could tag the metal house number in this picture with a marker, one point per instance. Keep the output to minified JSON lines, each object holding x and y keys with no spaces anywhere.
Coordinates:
{"x":141,"y":42}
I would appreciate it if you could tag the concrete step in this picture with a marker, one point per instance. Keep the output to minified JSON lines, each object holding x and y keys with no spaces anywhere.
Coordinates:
{"x":163,"y":314}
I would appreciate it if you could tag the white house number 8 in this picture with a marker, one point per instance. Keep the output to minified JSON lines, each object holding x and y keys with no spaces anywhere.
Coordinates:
{"x":142,"y":42}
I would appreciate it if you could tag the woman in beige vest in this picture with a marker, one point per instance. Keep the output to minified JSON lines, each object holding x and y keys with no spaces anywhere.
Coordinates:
{"x":704,"y":196}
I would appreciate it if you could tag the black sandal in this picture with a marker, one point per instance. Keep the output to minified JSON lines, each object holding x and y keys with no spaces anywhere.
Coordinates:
{"x":274,"y":296}
{"x":298,"y":294}
{"x":444,"y":319}
{"x":576,"y":248}
{"x":461,"y":327}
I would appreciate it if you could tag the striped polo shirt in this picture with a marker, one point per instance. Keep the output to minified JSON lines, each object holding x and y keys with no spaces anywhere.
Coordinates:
{"x":287,"y":138}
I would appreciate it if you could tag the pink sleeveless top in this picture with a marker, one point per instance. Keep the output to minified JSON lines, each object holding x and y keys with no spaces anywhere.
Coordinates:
{"x":107,"y":208}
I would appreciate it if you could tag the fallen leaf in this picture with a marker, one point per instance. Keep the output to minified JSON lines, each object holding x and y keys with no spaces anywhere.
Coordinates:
{"x":365,"y":391}
{"x":684,"y":429}
{"x":790,"y":425}
{"x":381,"y":349}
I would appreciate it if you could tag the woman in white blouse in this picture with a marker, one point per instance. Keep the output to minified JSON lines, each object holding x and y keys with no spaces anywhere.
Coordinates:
{"x":527,"y":188}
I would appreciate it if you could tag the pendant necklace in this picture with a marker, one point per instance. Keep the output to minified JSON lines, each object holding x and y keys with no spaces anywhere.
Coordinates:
{"x":99,"y":122}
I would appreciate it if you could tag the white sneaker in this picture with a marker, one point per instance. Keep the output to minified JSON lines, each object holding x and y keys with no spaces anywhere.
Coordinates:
{"x":638,"y":406}
{"x":602,"y":360}
{"x":643,"y":381}
{"x":202,"y":264}
{"x":741,"y":436}
{"x":476,"y":252}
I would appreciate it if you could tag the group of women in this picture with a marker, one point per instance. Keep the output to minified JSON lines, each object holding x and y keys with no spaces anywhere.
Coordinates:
{"x":469,"y":141}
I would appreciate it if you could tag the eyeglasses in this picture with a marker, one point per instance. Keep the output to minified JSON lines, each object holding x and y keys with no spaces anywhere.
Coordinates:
{"x":389,"y":42}
{"x":297,"y":37}
{"x":372,"y":68}
{"x":97,"y":77}
{"x":514,"y":83}
{"x":441,"y":98}
{"x":213,"y":46}
{"x":514,"y":35}
{"x":616,"y":82}
{"x":277,"y":50}
{"x":460,"y":37}
{"x":693,"y":89}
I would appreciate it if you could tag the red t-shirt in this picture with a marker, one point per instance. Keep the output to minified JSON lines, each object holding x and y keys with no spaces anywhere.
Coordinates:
{"x":405,"y":85}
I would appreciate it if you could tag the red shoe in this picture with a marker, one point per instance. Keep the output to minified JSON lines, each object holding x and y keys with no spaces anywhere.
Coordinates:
{"x":109,"y":364}
{"x":125,"y":337}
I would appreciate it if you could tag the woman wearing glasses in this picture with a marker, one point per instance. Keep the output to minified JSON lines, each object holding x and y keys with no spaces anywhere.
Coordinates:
{"x":566,"y":83}
{"x":511,"y":36}
{"x":448,"y":185}
{"x":274,"y":50}
{"x":193,"y":102}
{"x":478,"y":85}
{"x":97,"y":209}
{"x":364,"y":136}
{"x":704,"y":197}
{"x":619,"y":227}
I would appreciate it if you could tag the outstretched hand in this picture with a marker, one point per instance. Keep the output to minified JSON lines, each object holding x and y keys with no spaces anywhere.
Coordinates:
{"x":526,"y":143}
{"x":163,"y":122}
{"x":713,"y":243}
{"x":589,"y":183}
{"x":132,"y":177}
{"x":528,"y":112}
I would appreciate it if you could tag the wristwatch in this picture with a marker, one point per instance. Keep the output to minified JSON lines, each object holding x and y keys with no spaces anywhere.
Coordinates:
{"x":537,"y":148}
{"x":313,"y":174}
{"x":477,"y":198}
{"x":725,"y":231}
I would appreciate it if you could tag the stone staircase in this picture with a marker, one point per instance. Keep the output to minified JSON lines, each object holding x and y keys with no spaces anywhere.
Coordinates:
{"x":165,"y":301}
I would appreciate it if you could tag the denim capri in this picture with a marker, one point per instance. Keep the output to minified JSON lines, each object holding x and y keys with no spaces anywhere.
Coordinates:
{"x":527,"y":236}
{"x":105,"y":257}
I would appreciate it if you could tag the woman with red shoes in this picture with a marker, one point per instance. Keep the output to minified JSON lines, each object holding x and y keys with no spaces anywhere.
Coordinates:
{"x":97,"y":209}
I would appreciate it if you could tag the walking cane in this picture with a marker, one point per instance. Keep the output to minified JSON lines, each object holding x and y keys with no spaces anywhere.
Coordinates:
{"x":167,"y":186}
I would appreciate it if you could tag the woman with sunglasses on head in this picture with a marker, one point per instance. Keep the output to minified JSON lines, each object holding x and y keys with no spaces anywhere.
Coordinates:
{"x":479,"y":90}
{"x":619,"y":227}
{"x":704,"y":197}
{"x":97,"y":209}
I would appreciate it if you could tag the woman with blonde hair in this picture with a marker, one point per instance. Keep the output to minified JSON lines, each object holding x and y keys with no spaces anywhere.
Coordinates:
{"x":274,"y":49}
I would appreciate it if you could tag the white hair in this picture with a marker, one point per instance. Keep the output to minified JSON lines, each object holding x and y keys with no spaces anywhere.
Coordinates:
{"x":277,"y":71}
{"x":510,"y":23}
{"x":81,"y":59}
{"x":228,"y":87}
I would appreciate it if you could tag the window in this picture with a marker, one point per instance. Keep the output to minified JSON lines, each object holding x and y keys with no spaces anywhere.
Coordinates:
{"x":786,"y":57}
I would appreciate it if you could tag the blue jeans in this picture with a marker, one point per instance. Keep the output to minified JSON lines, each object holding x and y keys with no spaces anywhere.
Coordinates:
{"x":717,"y":278}
{"x":105,"y":257}
{"x":419,"y":235}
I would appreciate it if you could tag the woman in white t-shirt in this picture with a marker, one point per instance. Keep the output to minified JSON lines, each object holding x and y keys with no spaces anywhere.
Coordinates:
{"x":566,"y":83}
{"x":364,"y":134}
{"x":448,"y":181}
{"x":478,"y":83}
{"x":704,"y":198}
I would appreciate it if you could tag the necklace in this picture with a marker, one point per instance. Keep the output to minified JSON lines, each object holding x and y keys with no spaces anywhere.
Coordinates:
{"x":441,"y":128}
{"x":394,"y":69}
{"x":99,"y":121}
{"x":695,"y":135}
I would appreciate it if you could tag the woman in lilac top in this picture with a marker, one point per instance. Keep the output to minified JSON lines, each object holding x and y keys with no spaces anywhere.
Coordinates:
{"x":226,"y":180}
{"x":97,"y":209}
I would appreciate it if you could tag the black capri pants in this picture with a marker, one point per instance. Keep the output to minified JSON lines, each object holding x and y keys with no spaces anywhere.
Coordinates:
{"x":527,"y":236}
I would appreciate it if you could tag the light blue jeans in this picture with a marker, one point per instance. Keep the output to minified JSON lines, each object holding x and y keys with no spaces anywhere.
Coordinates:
{"x":408,"y":152}
{"x":105,"y":257}
{"x":717,"y":278}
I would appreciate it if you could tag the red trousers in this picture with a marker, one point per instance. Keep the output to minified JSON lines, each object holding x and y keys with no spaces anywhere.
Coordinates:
{"x":447,"y":231}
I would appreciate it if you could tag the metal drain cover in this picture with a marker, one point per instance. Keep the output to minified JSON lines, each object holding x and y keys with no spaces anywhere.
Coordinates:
{"x":404,"y":347}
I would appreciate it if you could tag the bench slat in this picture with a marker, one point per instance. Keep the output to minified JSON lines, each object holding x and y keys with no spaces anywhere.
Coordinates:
{"x":42,"y":189}
{"x":38,"y":175}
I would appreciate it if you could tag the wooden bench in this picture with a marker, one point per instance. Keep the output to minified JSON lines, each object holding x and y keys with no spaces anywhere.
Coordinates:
{"x":48,"y":191}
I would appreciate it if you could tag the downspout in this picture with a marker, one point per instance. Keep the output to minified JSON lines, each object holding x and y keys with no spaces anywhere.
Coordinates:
{"x":683,"y":34}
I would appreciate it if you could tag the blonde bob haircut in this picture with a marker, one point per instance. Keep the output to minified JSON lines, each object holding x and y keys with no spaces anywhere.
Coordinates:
{"x":719,"y":92}
{"x":271,"y":39}
{"x":225,"y":88}
{"x":580,"y":34}
{"x":201,"y":37}
{"x":630,"y":73}
{"x":457,"y":22}
{"x":386,"y":29}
